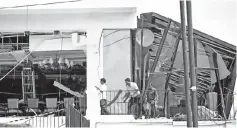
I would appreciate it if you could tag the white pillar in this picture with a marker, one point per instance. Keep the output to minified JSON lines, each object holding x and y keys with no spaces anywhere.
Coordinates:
{"x":93,"y":74}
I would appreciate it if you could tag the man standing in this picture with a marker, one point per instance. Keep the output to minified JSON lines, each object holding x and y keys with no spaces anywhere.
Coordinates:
{"x":134,"y":94}
{"x":151,"y":99}
{"x":102,"y":94}
{"x":146,"y":71}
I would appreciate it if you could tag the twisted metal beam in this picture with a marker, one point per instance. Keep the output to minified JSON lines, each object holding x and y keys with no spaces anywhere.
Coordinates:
{"x":157,"y":58}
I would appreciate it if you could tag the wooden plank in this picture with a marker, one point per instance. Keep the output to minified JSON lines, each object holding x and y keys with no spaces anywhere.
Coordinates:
{"x":60,"y":86}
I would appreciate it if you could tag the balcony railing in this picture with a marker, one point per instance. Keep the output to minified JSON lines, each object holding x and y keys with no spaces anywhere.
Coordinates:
{"x":153,"y":105}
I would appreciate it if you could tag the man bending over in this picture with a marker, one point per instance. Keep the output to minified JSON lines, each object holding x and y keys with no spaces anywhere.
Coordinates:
{"x":134,"y":94}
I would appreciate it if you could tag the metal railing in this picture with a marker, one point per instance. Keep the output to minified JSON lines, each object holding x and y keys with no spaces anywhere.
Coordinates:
{"x":74,"y":118}
{"x":53,"y":117}
{"x":209,"y":107}
{"x":132,"y":105}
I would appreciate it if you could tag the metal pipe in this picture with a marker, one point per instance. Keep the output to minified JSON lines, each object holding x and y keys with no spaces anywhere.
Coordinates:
{"x":219,"y":83}
{"x":192,"y":64}
{"x":185,"y":62}
{"x":166,"y":102}
{"x":2,"y":42}
{"x":142,"y":60}
{"x":195,"y":52}
{"x":157,"y":56}
{"x":142,"y":63}
{"x":17,"y":41}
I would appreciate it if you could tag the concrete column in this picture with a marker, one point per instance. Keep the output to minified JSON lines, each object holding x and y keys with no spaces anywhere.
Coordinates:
{"x":94,"y":73}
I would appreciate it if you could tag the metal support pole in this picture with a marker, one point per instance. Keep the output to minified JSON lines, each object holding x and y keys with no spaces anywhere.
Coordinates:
{"x":166,"y":102}
{"x":195,"y":54}
{"x":192,"y":64}
{"x":17,"y":40}
{"x":185,"y":62}
{"x":142,"y":59}
{"x":157,"y":56}
{"x":142,"y":65}
{"x":219,"y":84}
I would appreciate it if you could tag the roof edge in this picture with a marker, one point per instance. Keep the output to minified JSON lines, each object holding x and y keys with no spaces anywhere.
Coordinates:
{"x":69,"y":10}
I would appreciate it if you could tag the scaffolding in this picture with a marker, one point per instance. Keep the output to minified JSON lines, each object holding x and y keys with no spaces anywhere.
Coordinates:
{"x":28,"y":81}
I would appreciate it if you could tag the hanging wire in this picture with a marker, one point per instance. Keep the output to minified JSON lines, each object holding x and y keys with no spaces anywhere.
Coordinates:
{"x":112,"y":33}
{"x":117,"y":41}
{"x":72,"y":1}
{"x":98,"y":71}
{"x":98,"y":68}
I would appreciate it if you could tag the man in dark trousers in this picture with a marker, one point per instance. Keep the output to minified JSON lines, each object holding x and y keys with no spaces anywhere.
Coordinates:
{"x":151,"y":99}
{"x":134,"y":94}
{"x":103,"y":96}
{"x":147,"y":65}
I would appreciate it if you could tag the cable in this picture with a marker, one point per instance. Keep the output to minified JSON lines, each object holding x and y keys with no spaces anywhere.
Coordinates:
{"x":106,"y":46}
{"x":10,"y":93}
{"x":117,"y":41}
{"x":21,"y":61}
{"x":98,"y":71}
{"x":72,"y":1}
{"x":112,"y":33}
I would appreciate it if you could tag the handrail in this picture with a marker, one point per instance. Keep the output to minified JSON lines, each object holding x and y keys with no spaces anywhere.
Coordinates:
{"x":10,"y":93}
{"x":45,"y":94}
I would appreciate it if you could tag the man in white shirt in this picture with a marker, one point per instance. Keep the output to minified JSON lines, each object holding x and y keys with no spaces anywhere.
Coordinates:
{"x":134,"y":94}
{"x":102,"y":94}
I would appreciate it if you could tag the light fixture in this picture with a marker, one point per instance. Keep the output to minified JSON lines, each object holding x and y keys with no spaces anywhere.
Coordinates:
{"x":40,"y":63}
{"x":45,"y":61}
{"x":71,"y":63}
{"x":60,"y":61}
{"x":51,"y":60}
{"x":67,"y":62}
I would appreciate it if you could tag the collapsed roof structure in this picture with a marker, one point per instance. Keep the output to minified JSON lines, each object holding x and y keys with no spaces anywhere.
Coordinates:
{"x":215,"y":59}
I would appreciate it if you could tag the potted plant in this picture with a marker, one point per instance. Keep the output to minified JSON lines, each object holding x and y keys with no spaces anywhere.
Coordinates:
{"x":212,"y":98}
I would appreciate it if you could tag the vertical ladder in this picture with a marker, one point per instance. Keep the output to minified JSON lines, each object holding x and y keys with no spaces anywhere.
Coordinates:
{"x":28,"y":82}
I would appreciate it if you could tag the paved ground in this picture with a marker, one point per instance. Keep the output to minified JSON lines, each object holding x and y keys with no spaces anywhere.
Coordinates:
{"x":153,"y":125}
